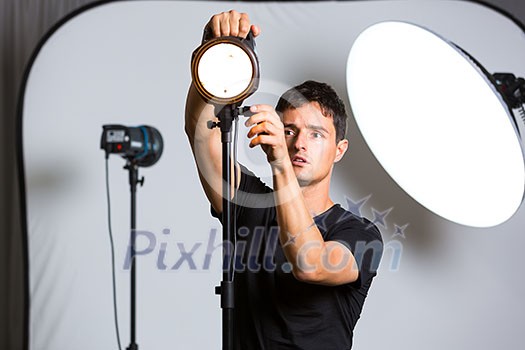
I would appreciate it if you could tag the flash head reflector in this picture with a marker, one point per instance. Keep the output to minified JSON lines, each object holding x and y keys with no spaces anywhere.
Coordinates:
{"x":225,"y":70}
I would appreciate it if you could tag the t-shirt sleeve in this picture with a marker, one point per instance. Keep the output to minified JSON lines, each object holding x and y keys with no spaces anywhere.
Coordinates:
{"x":252,"y":193}
{"x":364,"y":241}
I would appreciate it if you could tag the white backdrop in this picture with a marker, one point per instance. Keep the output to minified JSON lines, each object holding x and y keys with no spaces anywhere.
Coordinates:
{"x":453,"y":287}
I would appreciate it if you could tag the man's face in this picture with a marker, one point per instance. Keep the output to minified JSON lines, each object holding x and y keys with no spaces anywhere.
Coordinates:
{"x":310,"y":137}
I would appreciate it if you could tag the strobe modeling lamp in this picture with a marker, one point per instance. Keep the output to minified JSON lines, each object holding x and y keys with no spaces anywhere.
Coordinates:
{"x":439,"y":124}
{"x":225,"y":70}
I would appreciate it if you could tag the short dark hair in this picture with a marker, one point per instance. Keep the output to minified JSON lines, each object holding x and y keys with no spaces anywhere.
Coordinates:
{"x":313,"y":91}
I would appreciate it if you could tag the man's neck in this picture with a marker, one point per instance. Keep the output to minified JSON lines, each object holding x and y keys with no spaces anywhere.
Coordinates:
{"x":317,"y":197}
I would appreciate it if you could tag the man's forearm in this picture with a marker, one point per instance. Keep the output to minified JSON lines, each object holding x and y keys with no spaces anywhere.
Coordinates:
{"x":312,"y":257}
{"x":300,"y":238}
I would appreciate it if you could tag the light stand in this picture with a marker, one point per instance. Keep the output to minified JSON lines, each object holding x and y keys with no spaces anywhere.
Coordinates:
{"x":140,"y":146}
{"x":226,"y":116}
{"x":133,"y":169}
{"x":225,"y":71}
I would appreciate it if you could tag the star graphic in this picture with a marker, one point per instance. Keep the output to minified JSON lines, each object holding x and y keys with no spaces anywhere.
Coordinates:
{"x":400,"y":231}
{"x":291,"y":239}
{"x":354,"y":208}
{"x":379,"y":217}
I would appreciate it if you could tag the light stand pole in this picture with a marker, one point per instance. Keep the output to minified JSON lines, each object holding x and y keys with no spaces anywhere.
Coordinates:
{"x":226,"y":115}
{"x":133,"y":169}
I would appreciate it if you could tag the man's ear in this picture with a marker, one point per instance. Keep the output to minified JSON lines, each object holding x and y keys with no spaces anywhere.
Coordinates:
{"x":342,"y":146}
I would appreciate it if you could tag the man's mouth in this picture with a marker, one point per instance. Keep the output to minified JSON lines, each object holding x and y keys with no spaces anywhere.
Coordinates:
{"x":298,"y":160}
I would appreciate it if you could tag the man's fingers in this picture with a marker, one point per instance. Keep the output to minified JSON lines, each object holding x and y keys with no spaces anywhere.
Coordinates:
{"x":261,"y":111}
{"x":264,"y":128}
{"x":224,"y":23}
{"x":263,"y":116}
{"x":231,"y":23}
{"x":215,"y":25}
{"x":244,"y":25}
{"x":234,"y":22}
{"x":261,"y":108}
{"x":255,"y":30}
{"x":262,"y":140}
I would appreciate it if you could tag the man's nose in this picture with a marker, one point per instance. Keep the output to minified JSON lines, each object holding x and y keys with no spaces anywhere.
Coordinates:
{"x":300,"y":141}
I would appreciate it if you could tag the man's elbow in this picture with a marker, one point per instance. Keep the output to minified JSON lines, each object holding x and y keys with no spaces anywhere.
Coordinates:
{"x":326,"y":277}
{"x":307,"y":276}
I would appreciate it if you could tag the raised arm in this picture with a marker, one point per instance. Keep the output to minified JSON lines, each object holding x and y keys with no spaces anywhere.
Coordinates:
{"x":312,"y":257}
{"x":206,"y":143}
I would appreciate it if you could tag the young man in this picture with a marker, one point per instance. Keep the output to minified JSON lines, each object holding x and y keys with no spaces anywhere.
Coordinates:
{"x":306,"y":263}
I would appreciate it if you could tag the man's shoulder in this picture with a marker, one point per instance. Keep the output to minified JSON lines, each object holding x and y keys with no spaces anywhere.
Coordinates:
{"x":251,"y":183}
{"x":340,"y":219}
{"x":253,"y":193}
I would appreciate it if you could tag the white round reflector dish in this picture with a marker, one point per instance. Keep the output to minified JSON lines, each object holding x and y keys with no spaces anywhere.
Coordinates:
{"x":436,"y":124}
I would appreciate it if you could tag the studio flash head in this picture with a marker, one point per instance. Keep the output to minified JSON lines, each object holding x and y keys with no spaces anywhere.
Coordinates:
{"x":141,"y":145}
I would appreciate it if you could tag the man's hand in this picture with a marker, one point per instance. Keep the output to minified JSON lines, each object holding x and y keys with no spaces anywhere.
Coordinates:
{"x":267,"y":130}
{"x":231,"y":23}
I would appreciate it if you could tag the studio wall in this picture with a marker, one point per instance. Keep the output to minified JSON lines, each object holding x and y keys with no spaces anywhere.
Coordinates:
{"x":128,"y":63}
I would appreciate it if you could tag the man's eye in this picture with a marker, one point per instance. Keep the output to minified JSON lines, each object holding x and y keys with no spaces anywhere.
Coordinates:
{"x":317,"y":135}
{"x":288,"y":133}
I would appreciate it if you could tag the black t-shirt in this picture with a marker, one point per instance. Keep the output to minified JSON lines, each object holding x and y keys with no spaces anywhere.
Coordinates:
{"x":273,"y":310}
